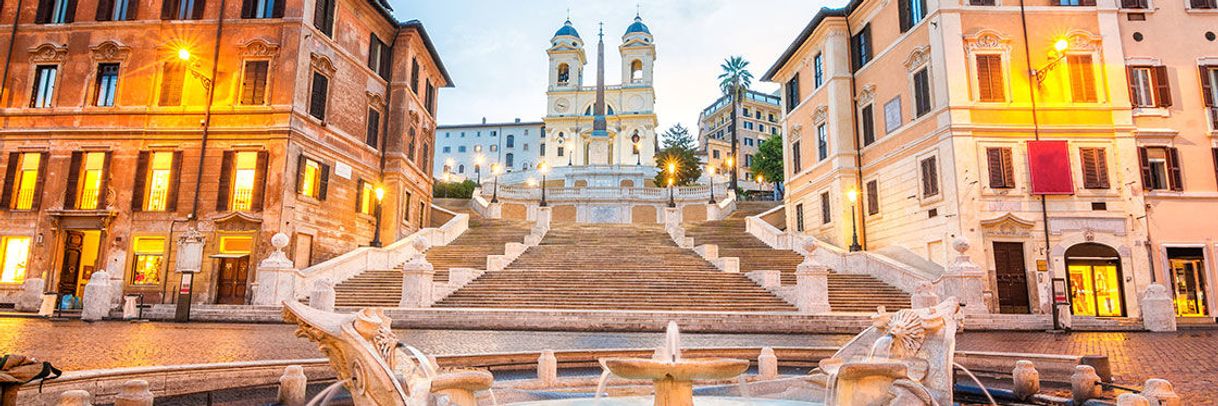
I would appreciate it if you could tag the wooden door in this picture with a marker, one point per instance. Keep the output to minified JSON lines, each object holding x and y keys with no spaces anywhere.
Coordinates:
{"x":70,"y":267}
{"x":1012,"y":278}
{"x":234,"y":274}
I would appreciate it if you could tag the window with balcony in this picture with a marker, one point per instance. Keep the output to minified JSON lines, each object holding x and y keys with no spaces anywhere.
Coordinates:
{"x":14,"y":258}
{"x":253,"y":83}
{"x":313,"y":177}
{"x":262,"y":8}
{"x":87,"y":178}
{"x":157,"y":175}
{"x":43,"y":95}
{"x":106,"y":85}
{"x":1148,"y":86}
{"x":182,"y":9}
{"x":1160,"y":167}
{"x":55,"y":12}
{"x":23,"y":180}
{"x":148,"y":260}
{"x":242,"y":180}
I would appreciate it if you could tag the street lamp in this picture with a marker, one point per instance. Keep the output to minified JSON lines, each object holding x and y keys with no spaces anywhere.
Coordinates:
{"x":853,"y":195}
{"x":478,"y":160}
{"x":543,"y":168}
{"x":672,"y":175}
{"x":376,"y":232}
{"x":731,"y":167}
{"x":710,"y":170}
{"x":185,"y":55}
{"x":496,"y":169}
{"x":638,"y":154}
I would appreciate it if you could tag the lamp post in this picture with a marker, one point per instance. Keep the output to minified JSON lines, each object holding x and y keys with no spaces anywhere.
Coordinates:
{"x":496,"y":169}
{"x":543,"y":168}
{"x":671,"y":202}
{"x":731,"y":168}
{"x":376,"y":232}
{"x":672,"y":179}
{"x":638,"y":154}
{"x":710,"y":170}
{"x":853,"y":195}
{"x":478,"y":160}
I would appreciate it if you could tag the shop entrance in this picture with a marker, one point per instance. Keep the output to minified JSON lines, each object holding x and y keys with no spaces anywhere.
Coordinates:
{"x":1188,"y":280}
{"x":79,"y":261}
{"x":1095,"y":281}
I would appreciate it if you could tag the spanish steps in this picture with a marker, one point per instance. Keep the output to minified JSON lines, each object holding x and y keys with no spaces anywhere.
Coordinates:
{"x":613,"y":267}
{"x":847,"y":292}
{"x":377,"y":287}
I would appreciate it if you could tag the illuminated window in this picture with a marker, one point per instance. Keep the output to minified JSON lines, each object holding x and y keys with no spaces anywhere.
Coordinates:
{"x":90,"y":186}
{"x":15,"y":256}
{"x":25,"y":187}
{"x":367,"y":196}
{"x":160,"y":176}
{"x":236,"y":245}
{"x":149,"y":257}
{"x":244,"y":174}
{"x":1082,"y":79}
{"x":311,"y":178}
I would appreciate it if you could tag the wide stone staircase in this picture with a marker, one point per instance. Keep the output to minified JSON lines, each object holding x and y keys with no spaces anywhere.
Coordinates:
{"x":613,"y":267}
{"x":847,"y":292}
{"x":485,"y":237}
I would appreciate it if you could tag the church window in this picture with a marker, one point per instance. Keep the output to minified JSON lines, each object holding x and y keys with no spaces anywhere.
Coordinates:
{"x":564,"y":74}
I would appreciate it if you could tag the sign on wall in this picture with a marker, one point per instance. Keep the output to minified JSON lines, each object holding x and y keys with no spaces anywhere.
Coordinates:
{"x":342,"y":170}
{"x":892,"y":115}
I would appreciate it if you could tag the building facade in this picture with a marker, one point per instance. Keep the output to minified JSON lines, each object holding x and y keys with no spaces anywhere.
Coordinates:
{"x":465,"y":150}
{"x":126,"y":124}
{"x":1013,"y":126}
{"x":601,"y":125}
{"x":758,"y":121}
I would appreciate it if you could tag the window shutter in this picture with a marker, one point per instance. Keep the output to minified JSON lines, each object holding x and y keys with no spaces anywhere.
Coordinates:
{"x":1144,"y":163}
{"x":70,"y":13}
{"x":317,"y":101}
{"x":197,"y":12}
{"x":994,"y":158}
{"x":141,"y":179}
{"x":925,"y":179}
{"x":868,"y":125}
{"x":171,"y":84}
{"x":1207,"y":87}
{"x":69,"y":198}
{"x":105,"y":9}
{"x":1082,"y":78}
{"x":1101,"y":167}
{"x":43,"y":14}
{"x":42,"y":177}
{"x":102,"y":195}
{"x":873,"y":198}
{"x":300,"y":168}
{"x":374,"y":126}
{"x":247,"y":8}
{"x":1173,"y":165}
{"x":359,"y":196}
{"x":1133,"y":87}
{"x":6,"y":195}
{"x":168,"y":7}
{"x":1216,"y":163}
{"x":175,"y":183}
{"x":1008,"y":168}
{"x":1162,"y":86}
{"x":325,"y":182}
{"x":133,"y":7}
{"x":260,"y":181}
{"x":1095,"y":168}
{"x":226,"y":172}
{"x":904,"y":7}
{"x":277,"y":12}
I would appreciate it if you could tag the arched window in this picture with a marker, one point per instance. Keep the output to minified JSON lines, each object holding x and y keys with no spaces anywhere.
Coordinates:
{"x":564,"y":73}
{"x":511,"y":141}
{"x":510,"y":159}
{"x":494,"y":147}
{"x":461,"y":168}
{"x":636,"y":71}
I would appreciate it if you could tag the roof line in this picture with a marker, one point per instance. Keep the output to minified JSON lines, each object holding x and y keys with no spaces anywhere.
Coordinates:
{"x":431,"y":49}
{"x":820,"y":16}
{"x":500,"y":124}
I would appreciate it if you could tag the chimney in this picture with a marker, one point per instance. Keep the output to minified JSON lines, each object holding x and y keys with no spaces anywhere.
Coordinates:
{"x":517,"y":120}
{"x":483,"y":120}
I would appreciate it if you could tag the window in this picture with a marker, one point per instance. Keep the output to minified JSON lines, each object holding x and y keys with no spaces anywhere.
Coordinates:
{"x":796,"y":157}
{"x":511,"y":141}
{"x":1160,"y":168}
{"x":1203,"y":4}
{"x":822,"y":142}
{"x":242,"y":179}
{"x":494,"y":148}
{"x":172,"y":77}
{"x":182,"y":9}
{"x":826,"y":212}
{"x":414,"y":75}
{"x":1209,"y":92}
{"x":15,"y":258}
{"x":317,"y":99}
{"x":510,"y":160}
{"x":818,"y":70}
{"x":991,"y":86}
{"x":564,"y":73}
{"x":799,"y":217}
{"x":262,"y":8}
{"x":430,"y":98}
{"x":860,"y":47}
{"x":1001,"y":167}
{"x":23,"y":180}
{"x":1135,"y":4}
{"x":524,"y":147}
{"x":253,"y":83}
{"x":921,"y":80}
{"x":461,"y":168}
{"x":748,"y":125}
{"x":930,"y":177}
{"x":374,"y":129}
{"x":424,"y":158}
{"x":378,"y":57}
{"x":792,"y":89}
{"x":541,"y":149}
{"x":313,"y":178}
{"x":148,"y":258}
{"x":868,"y":124}
{"x":107,"y":84}
{"x":1095,"y":168}
{"x":447,"y":149}
{"x":116,"y":10}
{"x":1076,"y":2}
{"x":636,"y":71}
{"x":55,"y":12}
{"x":461,"y":148}
{"x":44,"y":86}
{"x":911,"y":13}
{"x":746,"y":112}
{"x":406,"y":206}
{"x":1148,"y":86}
{"x":760,"y":128}
{"x":323,"y":16}
{"x":1082,"y":79}
{"x":1215,"y":162}
{"x":156,"y":181}
{"x":873,"y":198}
{"x":983,"y":2}
{"x":367,"y":196}
{"x":87,"y":178}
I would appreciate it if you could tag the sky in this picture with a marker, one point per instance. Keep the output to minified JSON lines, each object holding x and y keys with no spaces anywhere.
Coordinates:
{"x":495,"y":49}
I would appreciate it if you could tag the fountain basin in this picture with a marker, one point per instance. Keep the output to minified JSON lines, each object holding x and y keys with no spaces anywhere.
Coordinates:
{"x":647,"y":400}
{"x":687,"y":369}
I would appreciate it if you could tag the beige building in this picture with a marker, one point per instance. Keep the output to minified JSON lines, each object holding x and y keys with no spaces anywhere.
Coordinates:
{"x":1006,"y":124}
{"x":758,"y":120}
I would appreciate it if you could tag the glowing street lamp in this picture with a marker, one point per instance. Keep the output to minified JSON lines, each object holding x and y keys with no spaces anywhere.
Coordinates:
{"x":496,"y":169}
{"x":184,"y":54}
{"x":853,"y":196}
{"x":478,"y":160}
{"x":671,"y":202}
{"x":543,"y":168}
{"x":376,"y":232}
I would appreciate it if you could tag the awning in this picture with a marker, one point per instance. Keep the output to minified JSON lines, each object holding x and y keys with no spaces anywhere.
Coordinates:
{"x":229,"y":255}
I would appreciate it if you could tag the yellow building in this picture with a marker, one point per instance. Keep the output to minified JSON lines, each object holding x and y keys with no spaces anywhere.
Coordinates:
{"x":758,"y":120}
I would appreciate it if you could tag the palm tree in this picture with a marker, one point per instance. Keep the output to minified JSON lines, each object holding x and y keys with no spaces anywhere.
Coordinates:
{"x":734,"y":81}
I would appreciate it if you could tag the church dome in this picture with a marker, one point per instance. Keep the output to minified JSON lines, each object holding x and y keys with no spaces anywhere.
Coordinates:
{"x":638,"y":26}
{"x":568,"y":29}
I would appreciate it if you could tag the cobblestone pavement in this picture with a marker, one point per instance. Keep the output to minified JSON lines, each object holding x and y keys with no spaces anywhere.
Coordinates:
{"x":1188,"y":358}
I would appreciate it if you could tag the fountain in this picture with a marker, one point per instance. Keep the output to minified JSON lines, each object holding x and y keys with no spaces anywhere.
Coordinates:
{"x":673,"y":375}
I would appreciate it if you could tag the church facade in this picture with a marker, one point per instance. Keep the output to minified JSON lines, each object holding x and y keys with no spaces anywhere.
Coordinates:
{"x":600,"y":125}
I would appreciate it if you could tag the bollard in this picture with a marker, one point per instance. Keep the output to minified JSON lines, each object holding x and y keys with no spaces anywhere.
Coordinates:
{"x":1084,"y":384}
{"x":134,"y":393}
{"x":767,"y":364}
{"x":1160,"y":393}
{"x":292,"y":386}
{"x":1101,"y":365}
{"x":547,"y":368}
{"x":75,"y":398}
{"x":1027,"y":379}
{"x":1132,"y":399}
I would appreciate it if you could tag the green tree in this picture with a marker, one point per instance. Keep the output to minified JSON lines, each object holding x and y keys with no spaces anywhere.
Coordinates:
{"x":679,"y":150}
{"x":734,"y":82}
{"x":678,"y":136}
{"x":455,"y":190}
{"x":768,"y":160}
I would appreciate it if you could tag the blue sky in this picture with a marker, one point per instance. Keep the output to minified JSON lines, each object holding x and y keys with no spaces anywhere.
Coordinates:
{"x":495,"y":49}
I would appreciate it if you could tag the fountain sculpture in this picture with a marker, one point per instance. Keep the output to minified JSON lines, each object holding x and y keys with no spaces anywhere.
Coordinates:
{"x":673,"y":375}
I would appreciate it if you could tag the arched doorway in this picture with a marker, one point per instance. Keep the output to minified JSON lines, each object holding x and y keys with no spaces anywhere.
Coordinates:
{"x":1095,"y":281}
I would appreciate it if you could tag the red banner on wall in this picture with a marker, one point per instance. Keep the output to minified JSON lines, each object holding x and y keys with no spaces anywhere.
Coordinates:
{"x":1049,"y":164}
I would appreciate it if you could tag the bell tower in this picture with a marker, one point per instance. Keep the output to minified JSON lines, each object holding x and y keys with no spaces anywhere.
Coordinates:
{"x":638,"y":51}
{"x":566,"y":59}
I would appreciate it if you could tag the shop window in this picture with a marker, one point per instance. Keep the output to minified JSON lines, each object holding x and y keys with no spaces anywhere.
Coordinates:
{"x":149,"y":259}
{"x":14,"y":257}
{"x":1095,"y":282}
{"x":1188,"y":280}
